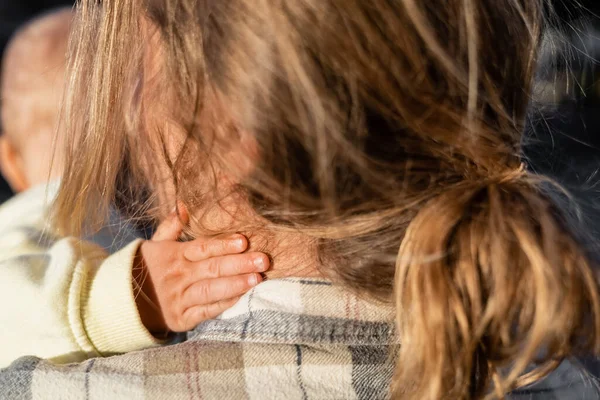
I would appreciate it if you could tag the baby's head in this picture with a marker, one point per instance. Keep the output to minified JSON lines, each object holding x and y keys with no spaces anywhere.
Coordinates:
{"x":33,"y":71}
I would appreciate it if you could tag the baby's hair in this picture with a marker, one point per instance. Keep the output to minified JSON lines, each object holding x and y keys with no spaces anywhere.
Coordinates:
{"x":389,"y":132}
{"x":33,"y":70}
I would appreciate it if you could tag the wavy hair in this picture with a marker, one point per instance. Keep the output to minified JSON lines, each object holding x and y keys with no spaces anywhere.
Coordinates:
{"x":388,"y":131}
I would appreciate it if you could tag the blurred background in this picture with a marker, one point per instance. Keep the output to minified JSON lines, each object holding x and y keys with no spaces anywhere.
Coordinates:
{"x":563,"y":135}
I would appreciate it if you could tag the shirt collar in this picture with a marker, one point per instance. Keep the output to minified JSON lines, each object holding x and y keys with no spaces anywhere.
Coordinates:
{"x":301,"y":311}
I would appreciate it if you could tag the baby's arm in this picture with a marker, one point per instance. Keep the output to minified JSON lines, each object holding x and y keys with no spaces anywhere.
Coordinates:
{"x":67,"y":301}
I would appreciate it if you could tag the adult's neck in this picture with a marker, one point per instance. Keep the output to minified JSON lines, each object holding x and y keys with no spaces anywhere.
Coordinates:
{"x":292,"y":254}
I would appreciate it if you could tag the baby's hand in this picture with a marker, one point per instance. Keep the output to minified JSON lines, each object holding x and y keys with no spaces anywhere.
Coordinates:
{"x":183,"y":284}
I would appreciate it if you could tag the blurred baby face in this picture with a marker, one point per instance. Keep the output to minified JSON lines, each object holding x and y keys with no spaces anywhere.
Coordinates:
{"x":33,"y":73}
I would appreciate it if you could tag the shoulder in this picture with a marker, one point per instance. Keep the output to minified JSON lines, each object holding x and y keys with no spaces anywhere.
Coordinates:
{"x":210,"y":370}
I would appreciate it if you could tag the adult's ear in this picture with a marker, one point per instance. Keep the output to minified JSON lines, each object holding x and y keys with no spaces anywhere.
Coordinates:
{"x":11,"y":166}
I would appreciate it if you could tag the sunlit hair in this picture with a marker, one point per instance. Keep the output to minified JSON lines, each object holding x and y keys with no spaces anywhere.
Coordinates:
{"x":387,"y":131}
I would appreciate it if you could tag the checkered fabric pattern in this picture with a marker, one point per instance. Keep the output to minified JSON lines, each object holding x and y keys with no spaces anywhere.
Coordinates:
{"x":286,"y":339}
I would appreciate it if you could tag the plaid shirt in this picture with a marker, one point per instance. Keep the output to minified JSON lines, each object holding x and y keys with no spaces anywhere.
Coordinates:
{"x":285,"y":339}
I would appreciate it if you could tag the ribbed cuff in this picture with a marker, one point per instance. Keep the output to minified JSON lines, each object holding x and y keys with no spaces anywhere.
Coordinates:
{"x":110,"y":314}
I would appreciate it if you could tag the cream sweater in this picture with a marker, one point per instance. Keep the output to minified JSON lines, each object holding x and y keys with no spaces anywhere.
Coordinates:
{"x":62,"y":298}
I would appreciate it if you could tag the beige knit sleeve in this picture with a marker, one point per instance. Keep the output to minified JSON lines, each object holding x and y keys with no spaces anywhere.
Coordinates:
{"x":66,"y":301}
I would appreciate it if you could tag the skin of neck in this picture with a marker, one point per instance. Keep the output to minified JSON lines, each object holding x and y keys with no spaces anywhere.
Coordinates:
{"x":292,"y":253}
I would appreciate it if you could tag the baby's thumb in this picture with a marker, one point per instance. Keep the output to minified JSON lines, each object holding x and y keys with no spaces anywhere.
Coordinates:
{"x":172,"y":226}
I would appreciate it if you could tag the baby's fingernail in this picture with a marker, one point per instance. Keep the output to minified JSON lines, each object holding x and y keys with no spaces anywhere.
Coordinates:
{"x":253,"y":279}
{"x":238,"y":242}
{"x":259,"y":263}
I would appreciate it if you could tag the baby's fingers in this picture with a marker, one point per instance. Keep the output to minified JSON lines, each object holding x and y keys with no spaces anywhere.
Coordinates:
{"x":236,"y":264}
{"x":211,"y":291}
{"x":171,"y":227}
{"x":202,"y":249}
{"x":197,"y":314}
